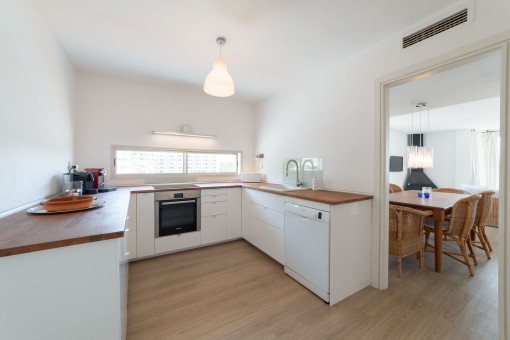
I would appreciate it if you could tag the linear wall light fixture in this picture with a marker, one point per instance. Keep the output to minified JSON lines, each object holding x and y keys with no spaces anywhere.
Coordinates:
{"x":185,"y":132}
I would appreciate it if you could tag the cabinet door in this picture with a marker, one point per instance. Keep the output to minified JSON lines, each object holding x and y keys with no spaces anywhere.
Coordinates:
{"x":214,"y":229}
{"x":234,"y":204}
{"x":267,"y":238}
{"x":144,"y":224}
{"x":130,"y":231}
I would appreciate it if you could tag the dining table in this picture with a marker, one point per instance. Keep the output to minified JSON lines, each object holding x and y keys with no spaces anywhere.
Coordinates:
{"x":440,"y":203}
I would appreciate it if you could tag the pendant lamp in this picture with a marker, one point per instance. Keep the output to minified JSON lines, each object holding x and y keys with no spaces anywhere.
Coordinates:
{"x":419,"y":156}
{"x":218,"y":82}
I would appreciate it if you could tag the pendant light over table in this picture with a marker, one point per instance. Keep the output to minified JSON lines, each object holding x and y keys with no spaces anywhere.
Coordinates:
{"x":419,"y":156}
{"x":218,"y":82}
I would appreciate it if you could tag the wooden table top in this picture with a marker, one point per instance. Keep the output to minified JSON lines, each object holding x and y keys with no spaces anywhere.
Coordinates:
{"x":438,"y":200}
{"x":23,"y":232}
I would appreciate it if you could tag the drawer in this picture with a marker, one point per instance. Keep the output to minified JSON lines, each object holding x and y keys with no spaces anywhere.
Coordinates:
{"x":265,"y":237}
{"x":273,"y":201}
{"x":213,"y":229}
{"x":212,"y":192}
{"x":176,"y":242}
{"x":213,"y":208}
{"x":214,"y":198}
{"x":270,"y":216}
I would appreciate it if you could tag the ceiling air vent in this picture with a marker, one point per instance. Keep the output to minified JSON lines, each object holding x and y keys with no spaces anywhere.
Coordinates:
{"x":440,"y":26}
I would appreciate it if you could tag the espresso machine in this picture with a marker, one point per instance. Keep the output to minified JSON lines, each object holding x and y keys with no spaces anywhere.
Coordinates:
{"x":98,"y":174}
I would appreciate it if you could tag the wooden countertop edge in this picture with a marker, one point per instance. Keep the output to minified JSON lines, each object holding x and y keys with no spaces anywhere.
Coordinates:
{"x":59,"y":244}
{"x":298,"y":195}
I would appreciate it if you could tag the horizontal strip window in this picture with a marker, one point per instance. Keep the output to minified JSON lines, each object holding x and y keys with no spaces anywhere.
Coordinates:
{"x":140,"y":162}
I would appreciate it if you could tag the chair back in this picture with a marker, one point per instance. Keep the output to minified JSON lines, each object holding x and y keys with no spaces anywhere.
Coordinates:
{"x":406,"y":230}
{"x":451,"y":190}
{"x":463,"y":216}
{"x":394,"y":188}
{"x":484,"y":207}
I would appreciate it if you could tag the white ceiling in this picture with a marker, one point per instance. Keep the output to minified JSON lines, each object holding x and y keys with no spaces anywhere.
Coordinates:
{"x":478,"y":79}
{"x":464,"y":97}
{"x":479,"y":115}
{"x":270,"y":43}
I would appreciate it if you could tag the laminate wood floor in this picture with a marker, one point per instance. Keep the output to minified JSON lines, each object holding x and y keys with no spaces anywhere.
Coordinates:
{"x":234,"y":291}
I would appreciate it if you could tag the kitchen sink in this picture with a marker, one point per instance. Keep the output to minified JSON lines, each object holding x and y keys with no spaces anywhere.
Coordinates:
{"x":281,"y":187}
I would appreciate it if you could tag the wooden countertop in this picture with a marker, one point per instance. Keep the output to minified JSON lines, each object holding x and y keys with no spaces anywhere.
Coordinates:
{"x":22,"y":232}
{"x":321,"y":196}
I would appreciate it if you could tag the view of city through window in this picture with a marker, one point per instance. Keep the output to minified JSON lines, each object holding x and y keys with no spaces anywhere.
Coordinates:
{"x":149,"y":162}
{"x":211,"y":163}
{"x":174,"y":162}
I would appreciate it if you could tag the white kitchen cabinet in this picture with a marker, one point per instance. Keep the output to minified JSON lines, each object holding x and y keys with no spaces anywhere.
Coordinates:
{"x":234,"y":207}
{"x":130,"y":232}
{"x":267,"y":238}
{"x":263,"y":222}
{"x":145,"y":224}
{"x":267,"y":215}
{"x":273,"y":201}
{"x":214,"y":229}
{"x":73,"y":292}
{"x":214,"y":216}
{"x":177,"y":242}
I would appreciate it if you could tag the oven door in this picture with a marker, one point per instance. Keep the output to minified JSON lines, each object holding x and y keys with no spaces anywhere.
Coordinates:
{"x":177,"y":217}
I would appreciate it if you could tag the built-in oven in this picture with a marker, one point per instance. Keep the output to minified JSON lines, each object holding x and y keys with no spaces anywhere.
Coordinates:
{"x":176,"y":212}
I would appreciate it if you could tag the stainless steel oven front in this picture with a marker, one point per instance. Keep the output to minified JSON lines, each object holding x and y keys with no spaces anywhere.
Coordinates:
{"x":176,"y":212}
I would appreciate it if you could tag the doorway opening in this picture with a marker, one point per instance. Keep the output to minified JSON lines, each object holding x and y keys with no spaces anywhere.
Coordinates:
{"x":454,"y":162}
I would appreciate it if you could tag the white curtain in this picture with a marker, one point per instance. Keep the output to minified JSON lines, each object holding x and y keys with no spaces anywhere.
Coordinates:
{"x":485,"y":159}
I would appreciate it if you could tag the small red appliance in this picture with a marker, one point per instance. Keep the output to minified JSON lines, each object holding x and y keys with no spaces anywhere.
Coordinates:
{"x":99,"y":180}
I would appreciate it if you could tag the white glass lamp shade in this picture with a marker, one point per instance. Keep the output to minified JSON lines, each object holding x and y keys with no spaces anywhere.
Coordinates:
{"x":420,"y":158}
{"x":218,"y":82}
{"x":428,"y":160}
{"x":412,"y":157}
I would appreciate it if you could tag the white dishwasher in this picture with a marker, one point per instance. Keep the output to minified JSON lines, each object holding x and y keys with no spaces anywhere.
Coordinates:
{"x":307,"y":247}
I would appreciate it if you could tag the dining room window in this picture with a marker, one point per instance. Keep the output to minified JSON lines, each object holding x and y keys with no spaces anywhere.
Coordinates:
{"x":485,"y":156}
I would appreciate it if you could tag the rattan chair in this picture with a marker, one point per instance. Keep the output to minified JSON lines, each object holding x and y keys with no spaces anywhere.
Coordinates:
{"x":406,"y":233}
{"x":460,"y":223}
{"x":451,"y":190}
{"x":394,"y":188}
{"x":482,"y":214}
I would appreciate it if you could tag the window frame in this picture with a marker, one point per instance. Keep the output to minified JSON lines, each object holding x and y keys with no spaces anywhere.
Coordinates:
{"x":185,"y":151}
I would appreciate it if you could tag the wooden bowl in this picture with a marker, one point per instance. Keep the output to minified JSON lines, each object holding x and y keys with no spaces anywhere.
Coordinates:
{"x":68,"y":203}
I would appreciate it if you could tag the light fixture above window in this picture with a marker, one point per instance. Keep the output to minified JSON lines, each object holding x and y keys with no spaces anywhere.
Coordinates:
{"x":185,"y":132}
{"x":218,"y":82}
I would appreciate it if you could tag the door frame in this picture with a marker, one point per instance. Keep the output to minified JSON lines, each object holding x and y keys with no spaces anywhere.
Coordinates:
{"x":380,"y":220}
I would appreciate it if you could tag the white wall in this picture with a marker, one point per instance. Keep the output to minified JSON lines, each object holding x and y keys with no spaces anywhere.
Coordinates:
{"x":398,"y":147}
{"x":36,"y":92}
{"x":331,"y":114}
{"x":117,"y":112}
{"x":452,"y":158}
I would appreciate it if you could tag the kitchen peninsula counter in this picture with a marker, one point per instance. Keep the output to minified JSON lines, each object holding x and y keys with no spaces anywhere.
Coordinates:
{"x":23,"y":232}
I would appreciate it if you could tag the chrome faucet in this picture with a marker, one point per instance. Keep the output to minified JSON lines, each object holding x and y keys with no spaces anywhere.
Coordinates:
{"x":298,"y":183}
{"x":311,"y":163}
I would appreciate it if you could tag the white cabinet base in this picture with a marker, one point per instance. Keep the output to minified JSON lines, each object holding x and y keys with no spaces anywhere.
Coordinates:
{"x":71,"y":292}
{"x":265,"y":237}
{"x":176,"y":242}
{"x":214,"y":229}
